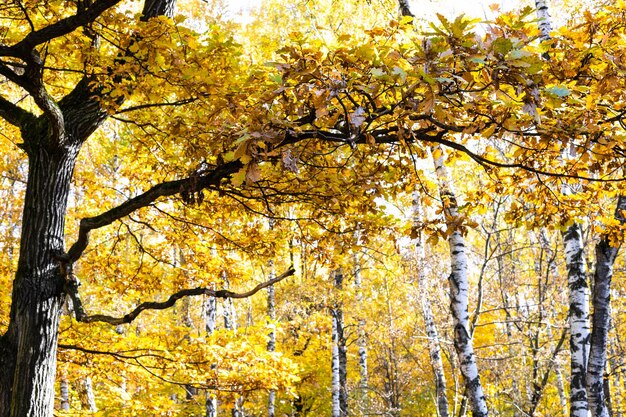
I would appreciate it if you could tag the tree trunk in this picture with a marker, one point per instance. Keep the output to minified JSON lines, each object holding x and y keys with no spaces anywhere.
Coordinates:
{"x":605,"y":258}
{"x":543,"y":16}
{"x":339,"y":358}
{"x":65,"y":394}
{"x":429,"y":322}
{"x":52,"y":141}
{"x":271,"y":343}
{"x":28,"y":359}
{"x":578,"y":319}
{"x":86,"y":395}
{"x":361,"y":340}
{"x":210,"y":319}
{"x":459,"y":290}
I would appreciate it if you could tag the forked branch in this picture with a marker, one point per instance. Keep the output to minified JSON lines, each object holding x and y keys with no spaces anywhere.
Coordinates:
{"x":72,"y":289}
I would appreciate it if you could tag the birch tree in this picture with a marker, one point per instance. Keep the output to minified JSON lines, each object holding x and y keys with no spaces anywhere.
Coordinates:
{"x":606,"y":253}
{"x":429,"y":322}
{"x":459,"y":288}
{"x":339,"y":353}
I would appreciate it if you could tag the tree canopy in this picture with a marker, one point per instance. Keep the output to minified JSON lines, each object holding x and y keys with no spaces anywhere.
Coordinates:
{"x":164,"y":165}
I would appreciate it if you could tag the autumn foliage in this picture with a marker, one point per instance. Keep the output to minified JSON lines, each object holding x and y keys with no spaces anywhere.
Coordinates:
{"x":325,"y":118}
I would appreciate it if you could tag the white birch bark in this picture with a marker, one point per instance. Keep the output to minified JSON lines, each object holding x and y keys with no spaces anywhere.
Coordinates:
{"x":545,"y":21}
{"x":228,"y":312}
{"x":271,"y":343}
{"x":65,"y":394}
{"x":405,"y":9}
{"x":459,"y":290}
{"x":429,"y":322}
{"x":86,"y":395}
{"x":361,"y":339}
{"x":578,"y":319}
{"x":339,"y":356}
{"x":605,"y":258}
{"x":210,"y":406}
{"x":335,"y":387}
{"x":617,"y":374}
{"x":577,"y":282}
{"x":210,"y":320}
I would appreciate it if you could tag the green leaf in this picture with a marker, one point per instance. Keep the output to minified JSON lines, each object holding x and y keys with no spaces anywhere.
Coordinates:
{"x":277,"y":78}
{"x":502,"y":46}
{"x":377,"y":72}
{"x":558,"y":90}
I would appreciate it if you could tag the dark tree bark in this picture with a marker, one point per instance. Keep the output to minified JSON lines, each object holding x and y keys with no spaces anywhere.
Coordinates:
{"x":30,"y":344}
{"x":52,"y":142}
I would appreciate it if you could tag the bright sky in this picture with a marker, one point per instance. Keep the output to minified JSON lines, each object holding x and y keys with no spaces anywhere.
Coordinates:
{"x":424,"y":8}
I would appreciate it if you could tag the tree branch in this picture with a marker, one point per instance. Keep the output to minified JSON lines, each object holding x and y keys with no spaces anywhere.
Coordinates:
{"x":23,"y":48}
{"x":81,"y":316}
{"x":14,"y":114}
{"x":191,"y":184}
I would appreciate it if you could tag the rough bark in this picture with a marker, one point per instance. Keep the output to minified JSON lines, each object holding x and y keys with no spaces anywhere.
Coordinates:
{"x":459,"y":291}
{"x":429,"y":322}
{"x":606,"y":252}
{"x":30,"y":344}
{"x":52,"y":142}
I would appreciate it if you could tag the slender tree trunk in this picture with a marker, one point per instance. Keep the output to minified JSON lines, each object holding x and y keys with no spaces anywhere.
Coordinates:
{"x":228,"y":313}
{"x":560,"y":385}
{"x":65,"y":394}
{"x":605,"y":258}
{"x":210,"y":320}
{"x":271,"y":343}
{"x":617,"y":376}
{"x":543,"y":16}
{"x":339,"y":358}
{"x":361,"y":339}
{"x":459,"y":290}
{"x":429,"y":322}
{"x":230,"y":323}
{"x":578,"y":319}
{"x":86,"y":395}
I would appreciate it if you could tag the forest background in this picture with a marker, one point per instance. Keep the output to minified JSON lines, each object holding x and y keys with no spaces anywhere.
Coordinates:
{"x":332,"y":208}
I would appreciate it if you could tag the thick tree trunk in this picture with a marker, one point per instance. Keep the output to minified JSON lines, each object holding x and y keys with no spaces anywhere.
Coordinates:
{"x":459,"y":291}
{"x":578,"y":319}
{"x":28,"y":360}
{"x":429,"y":322}
{"x":28,"y":349}
{"x":605,"y":258}
{"x":339,"y":357}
